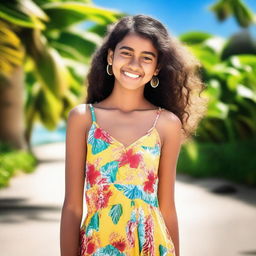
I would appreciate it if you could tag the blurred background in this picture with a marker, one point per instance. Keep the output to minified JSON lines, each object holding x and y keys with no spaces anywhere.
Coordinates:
{"x":45,"y":52}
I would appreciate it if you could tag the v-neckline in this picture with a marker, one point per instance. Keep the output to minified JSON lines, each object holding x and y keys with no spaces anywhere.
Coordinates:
{"x":148,"y":132}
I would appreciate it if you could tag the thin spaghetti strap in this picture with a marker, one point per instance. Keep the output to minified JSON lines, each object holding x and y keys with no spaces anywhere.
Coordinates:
{"x":92,"y":112}
{"x":157,"y":116}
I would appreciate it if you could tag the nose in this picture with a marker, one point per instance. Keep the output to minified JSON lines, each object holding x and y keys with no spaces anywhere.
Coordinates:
{"x":134,"y":63}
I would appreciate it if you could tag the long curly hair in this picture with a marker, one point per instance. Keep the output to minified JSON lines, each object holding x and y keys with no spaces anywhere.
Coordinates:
{"x":180,"y":86}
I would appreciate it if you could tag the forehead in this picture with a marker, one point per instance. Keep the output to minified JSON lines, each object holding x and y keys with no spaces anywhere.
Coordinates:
{"x":137,"y":42}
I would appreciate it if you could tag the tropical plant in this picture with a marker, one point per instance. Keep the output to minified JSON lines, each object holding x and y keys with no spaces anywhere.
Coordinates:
{"x":12,"y":52}
{"x":231,"y":89}
{"x":226,"y":136}
{"x":236,"y":8}
{"x":242,"y":42}
{"x":12,"y":162}
{"x":56,"y":52}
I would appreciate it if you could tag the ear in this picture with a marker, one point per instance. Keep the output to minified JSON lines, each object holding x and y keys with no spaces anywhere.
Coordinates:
{"x":110,"y":56}
{"x":157,"y":71}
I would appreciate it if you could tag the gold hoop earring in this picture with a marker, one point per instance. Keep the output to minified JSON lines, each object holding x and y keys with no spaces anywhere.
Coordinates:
{"x":109,"y":70}
{"x":154,"y":82}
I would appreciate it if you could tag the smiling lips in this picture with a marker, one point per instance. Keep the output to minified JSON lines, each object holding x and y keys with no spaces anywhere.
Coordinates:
{"x":131,"y":75}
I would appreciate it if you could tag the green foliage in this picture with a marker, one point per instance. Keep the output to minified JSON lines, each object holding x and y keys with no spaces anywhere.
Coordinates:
{"x":71,"y":44}
{"x":23,"y":14}
{"x":57,"y":53}
{"x":12,"y":161}
{"x":225,"y":142}
{"x":231,"y":90}
{"x":12,"y":53}
{"x":63,"y":15}
{"x":234,"y":160}
{"x":237,"y":8}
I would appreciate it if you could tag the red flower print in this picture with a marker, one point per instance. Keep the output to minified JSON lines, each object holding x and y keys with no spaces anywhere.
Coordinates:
{"x":103,"y":135}
{"x":130,"y":232}
{"x":148,"y":184}
{"x":103,"y":196}
{"x":90,"y":247}
{"x":92,"y":174}
{"x":82,"y":242}
{"x":120,"y":245}
{"x":117,"y":241}
{"x":129,"y":158}
{"x":87,"y":244}
{"x":148,"y":246}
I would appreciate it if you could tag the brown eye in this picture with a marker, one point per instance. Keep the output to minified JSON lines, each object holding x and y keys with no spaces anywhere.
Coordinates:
{"x":125,"y":53}
{"x":147,"y":58}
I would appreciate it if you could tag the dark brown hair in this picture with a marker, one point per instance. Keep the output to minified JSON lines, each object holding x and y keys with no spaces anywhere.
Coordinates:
{"x":180,"y":83}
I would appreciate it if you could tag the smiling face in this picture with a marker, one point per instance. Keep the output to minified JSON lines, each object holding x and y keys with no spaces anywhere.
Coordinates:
{"x":134,"y":61}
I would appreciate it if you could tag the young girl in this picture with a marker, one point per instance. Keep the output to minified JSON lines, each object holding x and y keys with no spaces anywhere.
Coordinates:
{"x":122,"y":146}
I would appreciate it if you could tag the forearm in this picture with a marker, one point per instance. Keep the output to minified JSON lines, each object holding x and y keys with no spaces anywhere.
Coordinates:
{"x":171,"y":222}
{"x":69,"y":232}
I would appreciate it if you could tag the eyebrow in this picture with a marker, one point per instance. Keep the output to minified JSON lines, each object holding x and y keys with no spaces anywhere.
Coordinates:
{"x":130,"y":49}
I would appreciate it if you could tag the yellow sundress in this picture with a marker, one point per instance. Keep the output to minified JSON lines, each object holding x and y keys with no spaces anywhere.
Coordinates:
{"x":123,"y":215}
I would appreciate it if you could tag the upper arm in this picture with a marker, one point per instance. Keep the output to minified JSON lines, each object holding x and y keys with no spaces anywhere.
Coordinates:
{"x":172,"y":140}
{"x":75,"y":158}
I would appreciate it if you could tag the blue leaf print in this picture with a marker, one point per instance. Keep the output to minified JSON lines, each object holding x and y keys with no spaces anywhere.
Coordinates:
{"x":153,"y":150}
{"x":131,"y":191}
{"x":91,"y":132}
{"x":98,"y":145}
{"x":141,"y":229}
{"x":162,"y":250}
{"x":108,"y":250}
{"x":149,"y":198}
{"x":133,"y":216}
{"x":93,"y":224}
{"x":115,"y":212}
{"x":136,"y":191}
{"x":109,"y":170}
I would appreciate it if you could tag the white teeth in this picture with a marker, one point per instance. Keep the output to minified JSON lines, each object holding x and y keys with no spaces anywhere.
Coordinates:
{"x":131,"y":75}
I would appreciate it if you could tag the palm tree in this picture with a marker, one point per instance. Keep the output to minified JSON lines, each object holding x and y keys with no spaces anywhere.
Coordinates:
{"x":11,"y":87}
{"x":41,"y":42}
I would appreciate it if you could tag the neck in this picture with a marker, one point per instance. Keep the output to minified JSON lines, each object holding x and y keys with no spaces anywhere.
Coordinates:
{"x":127,"y":100}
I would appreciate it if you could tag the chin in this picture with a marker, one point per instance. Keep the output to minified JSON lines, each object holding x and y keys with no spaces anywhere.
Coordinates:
{"x":133,"y":87}
{"x":131,"y":84}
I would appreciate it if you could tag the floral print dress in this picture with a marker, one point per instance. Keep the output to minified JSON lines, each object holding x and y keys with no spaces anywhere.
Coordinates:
{"x":123,"y":215}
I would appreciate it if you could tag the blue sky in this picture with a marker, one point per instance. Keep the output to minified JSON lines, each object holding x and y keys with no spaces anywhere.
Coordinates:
{"x":180,"y":16}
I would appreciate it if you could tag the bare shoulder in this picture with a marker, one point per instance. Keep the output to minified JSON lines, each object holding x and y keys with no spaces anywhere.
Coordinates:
{"x":78,"y":110}
{"x":170,"y":119}
{"x":79,"y":116}
{"x":171,"y":125}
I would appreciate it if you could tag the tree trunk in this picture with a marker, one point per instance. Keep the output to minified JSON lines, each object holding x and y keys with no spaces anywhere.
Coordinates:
{"x":12,"y":126}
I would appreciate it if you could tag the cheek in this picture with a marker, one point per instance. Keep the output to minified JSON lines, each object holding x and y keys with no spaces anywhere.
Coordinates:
{"x":149,"y":70}
{"x":118,"y":64}
{"x":118,"y":60}
{"x":116,"y":67}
